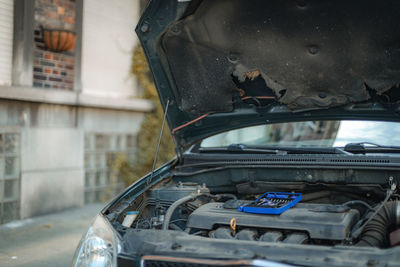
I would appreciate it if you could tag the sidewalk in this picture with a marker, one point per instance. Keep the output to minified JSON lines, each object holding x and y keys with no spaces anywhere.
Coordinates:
{"x":47,"y":240}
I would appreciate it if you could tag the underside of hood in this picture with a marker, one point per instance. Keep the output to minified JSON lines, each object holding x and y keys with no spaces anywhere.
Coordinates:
{"x":231,"y":63}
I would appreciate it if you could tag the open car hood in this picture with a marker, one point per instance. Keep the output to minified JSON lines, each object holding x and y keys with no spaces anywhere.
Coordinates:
{"x":232,"y":63}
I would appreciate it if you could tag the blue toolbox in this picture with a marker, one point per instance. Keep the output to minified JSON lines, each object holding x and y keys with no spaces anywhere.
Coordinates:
{"x":272,"y":203}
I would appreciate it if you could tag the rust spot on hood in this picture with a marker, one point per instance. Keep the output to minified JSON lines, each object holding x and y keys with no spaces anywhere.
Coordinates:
{"x":252,"y":74}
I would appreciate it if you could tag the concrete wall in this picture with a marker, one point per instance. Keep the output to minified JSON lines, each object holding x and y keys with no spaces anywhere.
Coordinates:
{"x":51,"y":170}
{"x":52,"y":149}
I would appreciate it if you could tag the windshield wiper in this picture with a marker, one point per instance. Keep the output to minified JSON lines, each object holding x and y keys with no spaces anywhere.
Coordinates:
{"x":367,"y":147}
{"x":240,"y":148}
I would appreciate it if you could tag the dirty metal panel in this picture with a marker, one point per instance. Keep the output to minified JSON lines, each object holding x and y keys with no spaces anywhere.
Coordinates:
{"x":310,"y":54}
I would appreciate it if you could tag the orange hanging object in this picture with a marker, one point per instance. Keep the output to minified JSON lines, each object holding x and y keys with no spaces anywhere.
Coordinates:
{"x":59,"y":40}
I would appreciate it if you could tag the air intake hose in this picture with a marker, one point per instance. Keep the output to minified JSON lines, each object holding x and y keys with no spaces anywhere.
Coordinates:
{"x":375,"y":232}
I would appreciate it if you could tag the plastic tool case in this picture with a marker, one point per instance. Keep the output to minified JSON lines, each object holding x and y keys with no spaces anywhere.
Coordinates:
{"x":272,"y":203}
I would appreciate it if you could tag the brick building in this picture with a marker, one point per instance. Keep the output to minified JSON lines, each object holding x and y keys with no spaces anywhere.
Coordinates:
{"x":68,"y":103}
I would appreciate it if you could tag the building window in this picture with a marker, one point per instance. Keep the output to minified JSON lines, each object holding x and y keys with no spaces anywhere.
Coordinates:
{"x":101,"y":181}
{"x":9,"y":176}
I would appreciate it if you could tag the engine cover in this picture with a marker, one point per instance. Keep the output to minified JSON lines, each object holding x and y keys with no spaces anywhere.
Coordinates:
{"x":321,"y":221}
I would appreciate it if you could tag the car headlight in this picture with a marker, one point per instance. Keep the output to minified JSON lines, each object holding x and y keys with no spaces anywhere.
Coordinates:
{"x":98,"y":247}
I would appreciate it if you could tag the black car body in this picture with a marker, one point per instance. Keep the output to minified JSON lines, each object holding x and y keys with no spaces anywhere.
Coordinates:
{"x":314,"y":85}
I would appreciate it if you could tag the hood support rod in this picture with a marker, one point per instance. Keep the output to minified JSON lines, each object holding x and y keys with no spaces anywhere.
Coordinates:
{"x":158,"y":143}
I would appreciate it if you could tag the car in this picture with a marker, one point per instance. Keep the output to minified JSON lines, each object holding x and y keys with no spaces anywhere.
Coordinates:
{"x":286,"y":120}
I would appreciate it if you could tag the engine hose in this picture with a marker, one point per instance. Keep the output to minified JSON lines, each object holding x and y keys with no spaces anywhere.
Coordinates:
{"x":176,"y":204}
{"x":376,"y":230}
{"x":188,"y":198}
{"x":360,"y":202}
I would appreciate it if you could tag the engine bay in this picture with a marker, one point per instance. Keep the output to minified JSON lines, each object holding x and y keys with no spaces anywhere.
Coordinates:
{"x":327,"y":216}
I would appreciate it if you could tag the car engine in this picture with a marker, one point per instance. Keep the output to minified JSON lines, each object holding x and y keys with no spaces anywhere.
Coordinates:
{"x":318,"y":220}
{"x":296,"y":225}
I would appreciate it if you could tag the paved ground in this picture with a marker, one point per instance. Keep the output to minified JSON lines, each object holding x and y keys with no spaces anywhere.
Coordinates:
{"x":47,"y":240}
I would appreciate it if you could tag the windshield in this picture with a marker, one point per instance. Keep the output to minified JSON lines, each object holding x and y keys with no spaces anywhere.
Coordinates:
{"x":310,"y":134}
